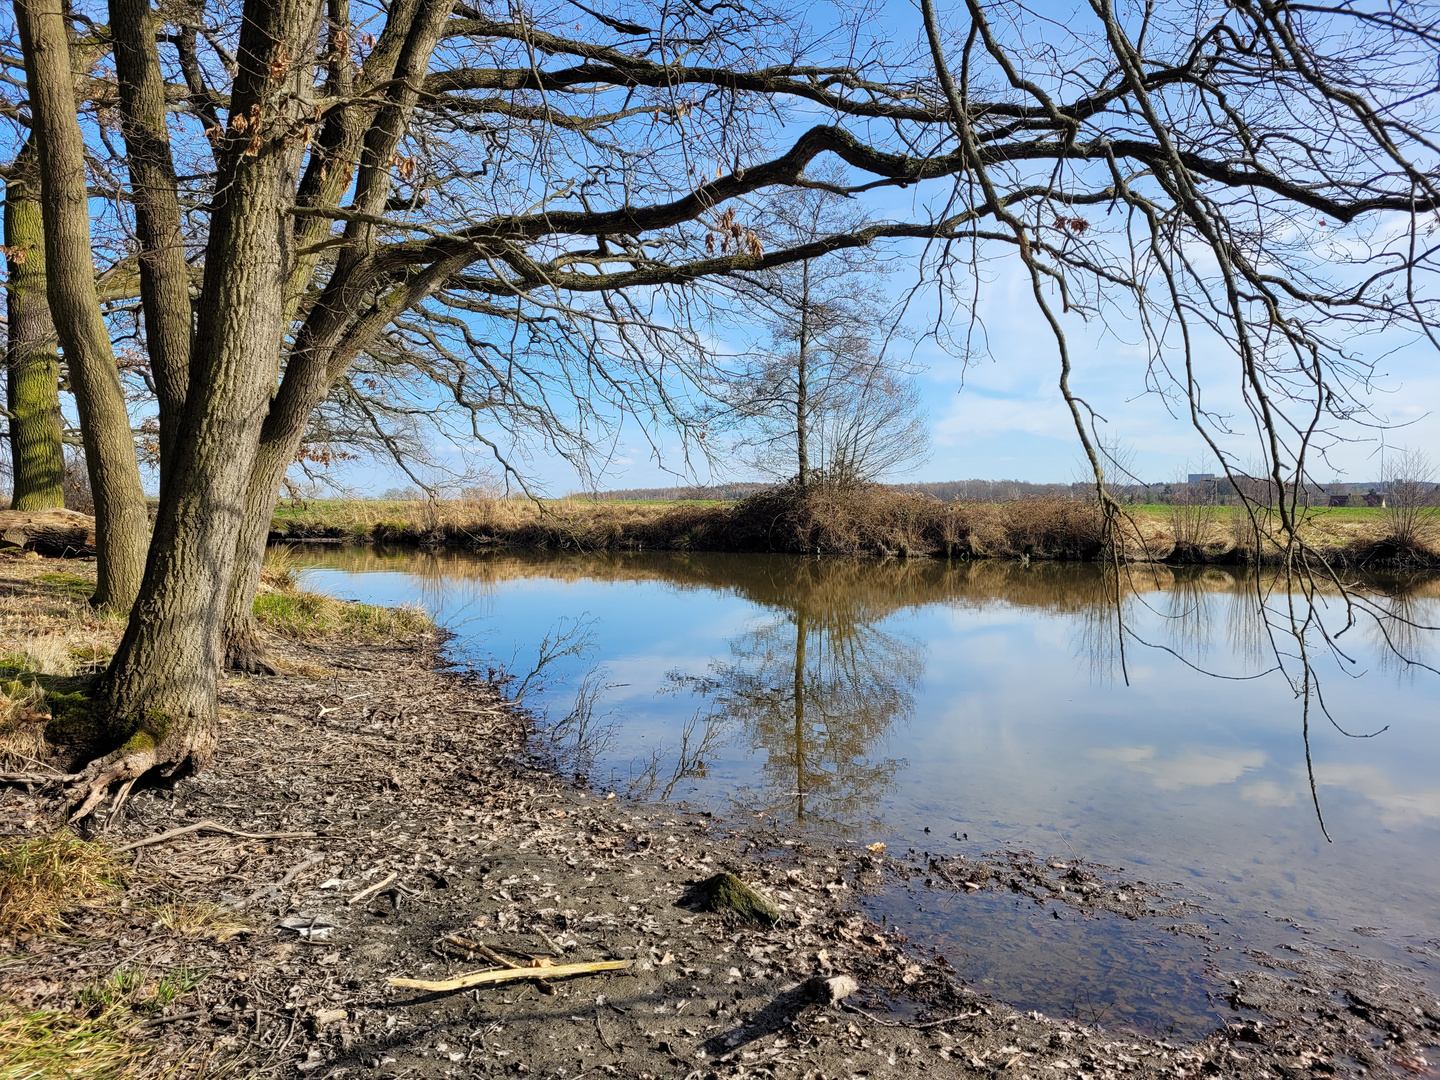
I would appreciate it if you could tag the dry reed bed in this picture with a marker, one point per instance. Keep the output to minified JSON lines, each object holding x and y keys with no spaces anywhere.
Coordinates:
{"x":874,"y":521}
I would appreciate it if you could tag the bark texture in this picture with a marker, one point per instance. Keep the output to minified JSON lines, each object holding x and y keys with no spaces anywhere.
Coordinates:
{"x":164,"y":280}
{"x":120,"y":517}
{"x":32,"y":353}
{"x":332,"y":335}
{"x":162,"y":681}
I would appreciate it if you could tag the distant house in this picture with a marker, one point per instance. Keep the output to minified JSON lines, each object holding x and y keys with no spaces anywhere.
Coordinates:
{"x":1374,"y":498}
{"x":1339,"y":500}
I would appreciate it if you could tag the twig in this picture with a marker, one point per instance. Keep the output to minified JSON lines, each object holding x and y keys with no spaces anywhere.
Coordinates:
{"x":897,"y":1023}
{"x":479,"y":950}
{"x":156,"y":1021}
{"x":478,"y":978}
{"x":213,"y":826}
{"x":290,"y":875}
{"x":555,"y":950}
{"x":373,"y":889}
{"x":37,"y":778}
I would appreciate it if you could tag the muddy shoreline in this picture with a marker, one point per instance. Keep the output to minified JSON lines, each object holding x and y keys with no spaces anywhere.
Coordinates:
{"x":401,"y":774}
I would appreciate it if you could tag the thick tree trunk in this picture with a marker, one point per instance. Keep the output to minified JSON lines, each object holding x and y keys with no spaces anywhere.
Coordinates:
{"x":32,"y":361}
{"x":332,"y":334}
{"x":164,"y":278}
{"x":162,"y":682}
{"x":120,"y":518}
{"x":54,"y":531}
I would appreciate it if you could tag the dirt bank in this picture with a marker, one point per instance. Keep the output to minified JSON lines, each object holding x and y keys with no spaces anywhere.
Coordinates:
{"x":424,"y":841}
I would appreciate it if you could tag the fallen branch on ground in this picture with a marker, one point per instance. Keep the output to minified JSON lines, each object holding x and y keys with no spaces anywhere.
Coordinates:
{"x":479,"y":978}
{"x":36,"y":778}
{"x":212,"y":826}
{"x":373,"y":889}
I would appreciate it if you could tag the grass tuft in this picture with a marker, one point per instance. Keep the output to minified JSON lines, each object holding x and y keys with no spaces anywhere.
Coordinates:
{"x":198,"y":920}
{"x":43,"y":877}
{"x":305,"y":616}
{"x":37,"y":1044}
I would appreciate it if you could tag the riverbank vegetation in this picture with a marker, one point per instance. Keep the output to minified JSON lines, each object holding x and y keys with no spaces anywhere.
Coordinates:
{"x":871,"y":520}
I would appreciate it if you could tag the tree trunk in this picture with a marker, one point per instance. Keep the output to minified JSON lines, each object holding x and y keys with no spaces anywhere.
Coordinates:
{"x":37,"y":452}
{"x":333,"y":334}
{"x":120,"y":518}
{"x":244,"y":650}
{"x":161,"y":686}
{"x":164,"y":278}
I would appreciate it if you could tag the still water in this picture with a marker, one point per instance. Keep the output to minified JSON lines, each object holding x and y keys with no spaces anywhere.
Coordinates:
{"x":987,"y":702}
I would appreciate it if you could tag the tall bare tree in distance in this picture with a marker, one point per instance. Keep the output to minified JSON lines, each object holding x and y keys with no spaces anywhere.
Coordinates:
{"x":813,"y":397}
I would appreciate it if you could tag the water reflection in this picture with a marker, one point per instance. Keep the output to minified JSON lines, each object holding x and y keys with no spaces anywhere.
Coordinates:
{"x":922,"y":702}
{"x":817,"y":686}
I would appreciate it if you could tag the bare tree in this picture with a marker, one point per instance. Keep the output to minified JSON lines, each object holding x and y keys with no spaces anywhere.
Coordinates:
{"x":533,"y":201}
{"x":815,"y":399}
{"x":1411,"y":497}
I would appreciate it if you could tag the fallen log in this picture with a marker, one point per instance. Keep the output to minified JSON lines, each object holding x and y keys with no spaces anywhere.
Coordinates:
{"x":57,"y":533}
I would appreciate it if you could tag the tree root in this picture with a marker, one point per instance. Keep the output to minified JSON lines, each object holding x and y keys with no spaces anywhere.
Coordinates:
{"x":114,"y":776}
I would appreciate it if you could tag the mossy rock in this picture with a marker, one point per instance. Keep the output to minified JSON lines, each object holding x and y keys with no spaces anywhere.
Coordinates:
{"x":726,"y":894}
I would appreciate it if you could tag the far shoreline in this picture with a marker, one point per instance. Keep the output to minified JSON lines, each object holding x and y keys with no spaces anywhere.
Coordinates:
{"x":872,"y":522}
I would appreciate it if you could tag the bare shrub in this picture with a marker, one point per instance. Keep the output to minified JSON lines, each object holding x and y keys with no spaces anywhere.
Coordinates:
{"x":77,"y":482}
{"x":1410,"y":501}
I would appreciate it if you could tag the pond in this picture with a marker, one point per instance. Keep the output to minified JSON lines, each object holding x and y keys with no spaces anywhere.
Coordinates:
{"x":975,"y":707}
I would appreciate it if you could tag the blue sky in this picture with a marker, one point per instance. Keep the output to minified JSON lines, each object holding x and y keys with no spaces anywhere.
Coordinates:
{"x":999,"y":414}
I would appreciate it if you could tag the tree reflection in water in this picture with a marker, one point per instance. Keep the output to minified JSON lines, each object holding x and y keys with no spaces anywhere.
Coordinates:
{"x":817,"y":686}
{"x":820,"y":678}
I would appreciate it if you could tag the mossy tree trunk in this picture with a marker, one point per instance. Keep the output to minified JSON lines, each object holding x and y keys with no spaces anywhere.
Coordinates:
{"x":120,"y":517}
{"x":32,"y":360}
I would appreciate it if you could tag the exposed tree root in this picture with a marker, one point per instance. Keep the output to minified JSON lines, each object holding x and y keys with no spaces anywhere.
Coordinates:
{"x":115,"y":775}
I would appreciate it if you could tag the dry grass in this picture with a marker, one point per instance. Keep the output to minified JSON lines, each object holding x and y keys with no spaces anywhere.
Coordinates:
{"x":198,"y":919}
{"x":44,"y":877}
{"x":871,"y":521}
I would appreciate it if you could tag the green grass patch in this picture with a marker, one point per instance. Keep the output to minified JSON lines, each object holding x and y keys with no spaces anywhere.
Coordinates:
{"x":72,"y":585}
{"x":94,"y":1042}
{"x":306,"y":616}
{"x":46,"y":1043}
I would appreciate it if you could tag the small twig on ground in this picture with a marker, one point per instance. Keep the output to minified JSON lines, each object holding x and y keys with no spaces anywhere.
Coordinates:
{"x":290,"y":875}
{"x":156,"y":1021}
{"x":901,"y":1024}
{"x":373,"y":889}
{"x":555,"y":950}
{"x":211,"y":826}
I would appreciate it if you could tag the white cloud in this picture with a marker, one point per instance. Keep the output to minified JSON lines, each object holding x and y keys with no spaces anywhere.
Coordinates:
{"x":1397,"y":807}
{"x":1193,"y":768}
